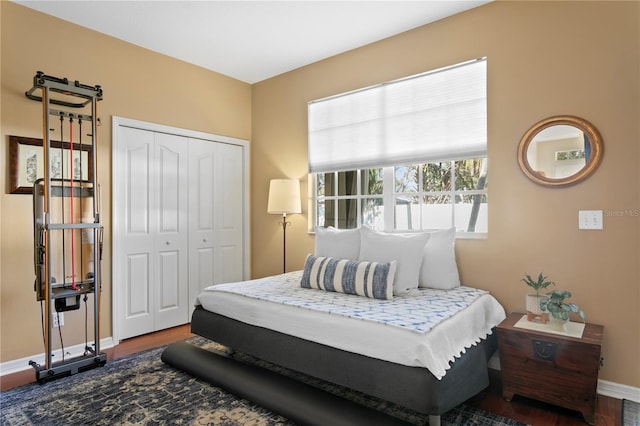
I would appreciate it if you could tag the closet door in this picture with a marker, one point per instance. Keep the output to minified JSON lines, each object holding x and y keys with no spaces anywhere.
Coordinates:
{"x":229,"y":218}
{"x":152,"y":206}
{"x":216,"y":203}
{"x":203,"y":162}
{"x":180,"y":221}
{"x":136,"y":198}
{"x":171,"y":231}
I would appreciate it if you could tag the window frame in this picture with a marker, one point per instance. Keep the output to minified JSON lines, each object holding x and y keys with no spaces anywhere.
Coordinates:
{"x":389,"y":197}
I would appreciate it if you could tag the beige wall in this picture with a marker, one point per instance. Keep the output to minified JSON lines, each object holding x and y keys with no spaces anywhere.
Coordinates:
{"x":544,"y":58}
{"x":137,"y":84}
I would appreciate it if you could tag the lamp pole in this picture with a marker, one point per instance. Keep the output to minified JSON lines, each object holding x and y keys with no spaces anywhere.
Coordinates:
{"x":284,"y":224}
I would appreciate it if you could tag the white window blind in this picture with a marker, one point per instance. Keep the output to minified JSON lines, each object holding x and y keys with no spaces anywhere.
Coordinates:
{"x":436,"y":116}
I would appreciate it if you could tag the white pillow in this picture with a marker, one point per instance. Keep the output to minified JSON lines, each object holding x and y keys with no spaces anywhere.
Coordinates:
{"x":439,"y":268}
{"x":407,"y":249}
{"x":337,"y":243}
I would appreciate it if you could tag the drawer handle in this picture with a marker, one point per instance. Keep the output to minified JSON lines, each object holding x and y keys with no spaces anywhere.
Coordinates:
{"x":545,"y":350}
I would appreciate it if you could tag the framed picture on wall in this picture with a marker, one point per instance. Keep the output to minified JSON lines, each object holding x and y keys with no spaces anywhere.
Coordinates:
{"x":26,"y":162}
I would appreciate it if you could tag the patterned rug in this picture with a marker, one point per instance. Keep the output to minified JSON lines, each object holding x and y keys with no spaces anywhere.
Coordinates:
{"x":142,"y":390}
{"x":630,"y":413}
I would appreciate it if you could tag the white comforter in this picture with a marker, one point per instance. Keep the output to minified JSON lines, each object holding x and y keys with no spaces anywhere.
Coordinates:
{"x":427,"y":329}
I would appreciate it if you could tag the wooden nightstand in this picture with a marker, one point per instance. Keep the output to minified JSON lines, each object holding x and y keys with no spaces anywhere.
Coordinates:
{"x":553,"y":368}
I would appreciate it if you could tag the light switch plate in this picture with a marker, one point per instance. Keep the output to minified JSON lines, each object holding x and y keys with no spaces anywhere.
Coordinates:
{"x":590,"y":219}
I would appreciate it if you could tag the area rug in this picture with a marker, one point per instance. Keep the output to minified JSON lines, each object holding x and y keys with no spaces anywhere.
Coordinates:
{"x":630,"y":413}
{"x":141,"y":390}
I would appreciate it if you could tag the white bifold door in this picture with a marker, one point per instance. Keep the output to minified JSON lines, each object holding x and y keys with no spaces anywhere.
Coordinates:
{"x":215,"y":215}
{"x":178,"y":203}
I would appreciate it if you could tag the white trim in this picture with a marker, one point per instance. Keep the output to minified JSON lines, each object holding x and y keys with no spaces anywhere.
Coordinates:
{"x":116,"y":123}
{"x":161,"y":128}
{"x":605,"y":387}
{"x":22,"y":364}
{"x":619,"y":391}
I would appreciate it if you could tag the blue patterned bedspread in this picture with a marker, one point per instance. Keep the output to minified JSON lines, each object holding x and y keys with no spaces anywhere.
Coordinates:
{"x":418,"y":313}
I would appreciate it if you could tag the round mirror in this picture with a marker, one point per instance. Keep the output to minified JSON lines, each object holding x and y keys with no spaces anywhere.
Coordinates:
{"x":560,"y":151}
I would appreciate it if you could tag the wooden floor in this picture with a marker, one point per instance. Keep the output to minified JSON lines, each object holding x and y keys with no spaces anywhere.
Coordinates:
{"x":522,"y":409}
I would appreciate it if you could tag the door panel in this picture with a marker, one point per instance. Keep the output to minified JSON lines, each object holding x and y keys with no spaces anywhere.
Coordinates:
{"x":138,"y":189}
{"x":136,"y":196}
{"x":169,"y":195}
{"x":171,"y":308}
{"x":230,"y":235}
{"x":169,"y":281}
{"x":202,"y":213}
{"x":137,"y":285}
{"x":171,"y":236}
{"x":204,"y":275}
{"x":204,"y":184}
{"x":232,"y":264}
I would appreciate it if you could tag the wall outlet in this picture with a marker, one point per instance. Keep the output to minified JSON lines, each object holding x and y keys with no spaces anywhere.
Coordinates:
{"x":58,"y":319}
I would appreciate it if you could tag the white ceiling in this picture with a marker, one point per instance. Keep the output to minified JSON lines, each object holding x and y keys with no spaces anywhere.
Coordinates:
{"x":251,"y":40}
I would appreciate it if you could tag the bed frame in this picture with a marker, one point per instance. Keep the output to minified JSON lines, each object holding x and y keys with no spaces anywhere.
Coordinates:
{"x":412,"y":387}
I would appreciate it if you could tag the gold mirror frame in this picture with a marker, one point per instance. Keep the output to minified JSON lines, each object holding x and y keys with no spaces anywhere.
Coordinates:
{"x":588,"y":129}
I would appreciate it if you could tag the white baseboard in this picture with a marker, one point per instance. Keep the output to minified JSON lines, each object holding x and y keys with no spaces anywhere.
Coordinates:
{"x":605,"y":387}
{"x":616,"y":390}
{"x":22,"y":364}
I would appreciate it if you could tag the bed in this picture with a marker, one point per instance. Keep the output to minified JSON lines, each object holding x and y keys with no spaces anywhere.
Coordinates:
{"x":422,"y":347}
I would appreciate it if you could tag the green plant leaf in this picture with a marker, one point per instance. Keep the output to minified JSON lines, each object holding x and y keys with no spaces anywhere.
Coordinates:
{"x":537,"y":284}
{"x":558,"y":308}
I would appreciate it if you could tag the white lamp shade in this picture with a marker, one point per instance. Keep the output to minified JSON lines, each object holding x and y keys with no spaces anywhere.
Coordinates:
{"x":284,"y":196}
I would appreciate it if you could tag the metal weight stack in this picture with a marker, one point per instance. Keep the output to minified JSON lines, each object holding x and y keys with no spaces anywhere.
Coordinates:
{"x":66,"y":214}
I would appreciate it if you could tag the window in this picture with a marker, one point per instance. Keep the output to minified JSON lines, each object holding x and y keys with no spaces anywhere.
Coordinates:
{"x":349,"y":199}
{"x":434,"y":195}
{"x":405,"y":155}
{"x":441,"y":195}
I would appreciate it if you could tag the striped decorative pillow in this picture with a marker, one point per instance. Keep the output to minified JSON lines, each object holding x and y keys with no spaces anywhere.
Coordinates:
{"x":362,"y":278}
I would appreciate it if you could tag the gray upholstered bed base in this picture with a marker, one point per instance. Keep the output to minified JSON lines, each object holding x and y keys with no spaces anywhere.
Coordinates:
{"x":411,"y":387}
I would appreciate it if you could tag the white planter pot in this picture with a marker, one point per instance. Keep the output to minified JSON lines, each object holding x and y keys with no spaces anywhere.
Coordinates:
{"x":533,"y":308}
{"x":558,"y":324}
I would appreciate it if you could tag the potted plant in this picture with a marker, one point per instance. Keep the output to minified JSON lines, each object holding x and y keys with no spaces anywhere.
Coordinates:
{"x":533,"y":300}
{"x":559,"y":309}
